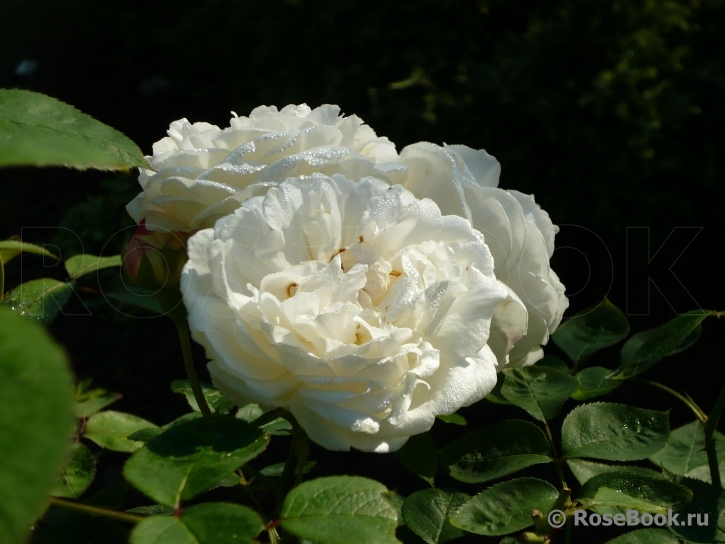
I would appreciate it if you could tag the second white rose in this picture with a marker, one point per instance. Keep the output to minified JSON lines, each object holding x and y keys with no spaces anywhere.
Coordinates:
{"x":520,"y":235}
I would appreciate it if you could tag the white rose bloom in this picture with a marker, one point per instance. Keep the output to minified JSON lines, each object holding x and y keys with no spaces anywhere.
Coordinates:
{"x":520,"y":235}
{"x":356,"y":306}
{"x":201,"y":173}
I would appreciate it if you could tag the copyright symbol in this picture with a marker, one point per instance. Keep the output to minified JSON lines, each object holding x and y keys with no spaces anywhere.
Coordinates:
{"x":556,"y":518}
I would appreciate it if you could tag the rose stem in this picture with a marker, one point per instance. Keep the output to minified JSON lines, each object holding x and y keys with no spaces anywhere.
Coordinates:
{"x":710,"y":425}
{"x":687,"y":402}
{"x":273,"y":535}
{"x":96,"y":511}
{"x":708,"y":422}
{"x":293,"y":468}
{"x":567,"y":531}
{"x":557,"y":460}
{"x":183,"y":329}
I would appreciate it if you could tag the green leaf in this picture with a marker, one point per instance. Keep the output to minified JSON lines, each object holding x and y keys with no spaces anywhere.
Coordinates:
{"x":209,"y":523}
{"x":251,"y":412}
{"x":39,"y":300}
{"x":495,"y":451}
{"x":77,"y":474}
{"x":541,"y":391}
{"x":426,"y":513}
{"x":586,"y":470}
{"x":702,"y":473}
{"x":9,"y":249}
{"x":36,"y":399}
{"x":278,"y":427}
{"x":230,"y":480}
{"x":455,"y":419}
{"x":553,"y":362}
{"x":145,"y":435}
{"x":649,"y":347}
{"x":95,"y":404}
{"x":633,"y":491}
{"x":594,"y":382}
{"x":222,"y":522}
{"x":110,"y":430}
{"x":591,"y":330}
{"x":182,"y":419}
{"x":506,"y":507}
{"x":80,"y":265}
{"x":614,"y":432}
{"x":646,"y":536}
{"x":419,"y":456}
{"x":162,"y":530}
{"x":37,"y":130}
{"x":706,"y":501}
{"x":192,"y":456}
{"x":340,"y":510}
{"x":396,"y":500}
{"x":215,"y":400}
{"x":685,"y":450}
{"x":149,"y":433}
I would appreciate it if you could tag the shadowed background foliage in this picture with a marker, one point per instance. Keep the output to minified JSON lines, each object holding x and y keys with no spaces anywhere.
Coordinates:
{"x":611,"y":113}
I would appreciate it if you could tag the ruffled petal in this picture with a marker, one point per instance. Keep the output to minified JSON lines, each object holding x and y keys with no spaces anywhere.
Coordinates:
{"x":263,"y":149}
{"x":363,"y":310}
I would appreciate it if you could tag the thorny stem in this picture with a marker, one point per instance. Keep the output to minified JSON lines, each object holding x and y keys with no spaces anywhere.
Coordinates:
{"x":302,"y":448}
{"x":96,"y":511}
{"x":567,"y":530}
{"x":687,"y":402}
{"x":183,"y":328}
{"x":710,"y":424}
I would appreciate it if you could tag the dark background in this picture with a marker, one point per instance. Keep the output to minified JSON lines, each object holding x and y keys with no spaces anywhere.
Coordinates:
{"x":611,"y":113}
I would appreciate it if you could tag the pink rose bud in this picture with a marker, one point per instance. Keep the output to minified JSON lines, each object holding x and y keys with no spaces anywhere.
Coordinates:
{"x":154,"y":259}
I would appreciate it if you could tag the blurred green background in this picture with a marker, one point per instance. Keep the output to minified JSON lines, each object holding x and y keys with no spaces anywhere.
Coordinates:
{"x":610,"y":112}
